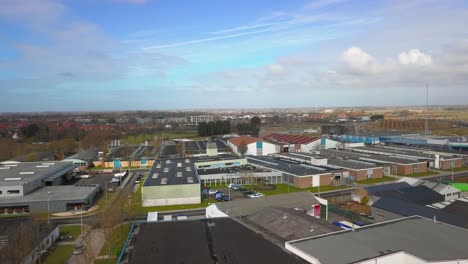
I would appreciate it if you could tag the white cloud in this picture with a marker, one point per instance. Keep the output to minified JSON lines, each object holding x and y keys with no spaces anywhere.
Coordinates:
{"x":415,"y":56}
{"x":358,"y":60}
{"x":276,"y":68}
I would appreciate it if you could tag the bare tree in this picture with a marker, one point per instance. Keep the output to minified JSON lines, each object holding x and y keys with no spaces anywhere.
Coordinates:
{"x":108,"y":220}
{"x":242,"y":148}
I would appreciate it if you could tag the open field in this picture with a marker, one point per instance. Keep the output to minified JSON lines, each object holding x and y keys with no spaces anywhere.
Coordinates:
{"x":141,"y":138}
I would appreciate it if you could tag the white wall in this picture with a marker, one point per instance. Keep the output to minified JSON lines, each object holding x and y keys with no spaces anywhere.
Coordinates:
{"x":269,"y":148}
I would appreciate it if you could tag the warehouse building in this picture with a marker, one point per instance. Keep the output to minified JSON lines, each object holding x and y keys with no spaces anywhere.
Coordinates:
{"x":297,"y":174}
{"x":299,"y":143}
{"x":171,"y":182}
{"x":31,"y":187}
{"x":449,"y":192}
{"x":437,"y":161}
{"x":392,"y":165}
{"x":407,"y":240}
{"x":85,"y":158}
{"x":254,"y":146}
{"x":358,"y":170}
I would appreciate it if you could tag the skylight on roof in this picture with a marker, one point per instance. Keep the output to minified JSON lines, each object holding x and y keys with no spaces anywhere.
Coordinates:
{"x":26,"y":172}
{"x":13,"y":179}
{"x":4,"y":168}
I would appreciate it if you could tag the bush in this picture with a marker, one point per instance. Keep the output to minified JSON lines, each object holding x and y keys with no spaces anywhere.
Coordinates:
{"x":364,"y":200}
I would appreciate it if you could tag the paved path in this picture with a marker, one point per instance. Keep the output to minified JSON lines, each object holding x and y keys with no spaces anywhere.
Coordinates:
{"x":96,"y":240}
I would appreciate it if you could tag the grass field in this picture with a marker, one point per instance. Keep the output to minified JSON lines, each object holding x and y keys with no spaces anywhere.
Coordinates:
{"x":117,"y":241}
{"x":141,"y":138}
{"x":377,"y":180}
{"x":60,"y":254}
{"x":70,"y":230}
{"x":421,"y":174}
{"x":458,"y":169}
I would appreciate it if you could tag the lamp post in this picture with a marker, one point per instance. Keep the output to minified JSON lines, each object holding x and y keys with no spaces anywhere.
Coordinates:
{"x":48,"y":207}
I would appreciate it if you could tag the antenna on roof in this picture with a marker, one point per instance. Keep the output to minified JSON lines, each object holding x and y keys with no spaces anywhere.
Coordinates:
{"x":426,"y":122}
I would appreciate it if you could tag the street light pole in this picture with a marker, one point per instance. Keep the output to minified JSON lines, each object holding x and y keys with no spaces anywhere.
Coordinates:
{"x":48,"y":208}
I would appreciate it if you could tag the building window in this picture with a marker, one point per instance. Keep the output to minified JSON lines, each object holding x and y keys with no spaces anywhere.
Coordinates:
{"x":13,"y":192}
{"x":415,"y":168}
{"x":1,"y":192}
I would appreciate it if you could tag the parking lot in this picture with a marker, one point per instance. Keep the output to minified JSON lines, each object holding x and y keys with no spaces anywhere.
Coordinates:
{"x":235,"y":195}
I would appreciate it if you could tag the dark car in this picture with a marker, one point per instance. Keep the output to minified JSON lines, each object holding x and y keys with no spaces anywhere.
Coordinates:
{"x":223,"y":198}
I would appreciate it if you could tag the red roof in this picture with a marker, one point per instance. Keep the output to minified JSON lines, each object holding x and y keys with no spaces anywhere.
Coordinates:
{"x":290,"y":139}
{"x":247,"y":139}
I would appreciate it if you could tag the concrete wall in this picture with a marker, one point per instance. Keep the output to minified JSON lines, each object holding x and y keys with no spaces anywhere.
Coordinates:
{"x":171,"y":194}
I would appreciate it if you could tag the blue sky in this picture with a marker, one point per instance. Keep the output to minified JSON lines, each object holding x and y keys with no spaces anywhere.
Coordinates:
{"x":168,"y":54}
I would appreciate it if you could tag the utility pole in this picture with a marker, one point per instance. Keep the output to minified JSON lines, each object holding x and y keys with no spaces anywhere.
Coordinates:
{"x":426,"y":122}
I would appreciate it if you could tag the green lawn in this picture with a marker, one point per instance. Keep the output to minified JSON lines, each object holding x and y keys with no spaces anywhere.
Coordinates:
{"x":377,"y":180}
{"x":117,"y":241}
{"x":60,"y":254}
{"x":70,"y":230}
{"x":458,"y":169}
{"x":421,"y":174}
{"x":141,"y":138}
{"x":283,"y":188}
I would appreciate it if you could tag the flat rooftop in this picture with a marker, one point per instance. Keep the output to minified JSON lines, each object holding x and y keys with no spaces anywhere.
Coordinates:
{"x":288,"y":166}
{"x":382,"y":159}
{"x":286,"y":224}
{"x":56,"y":193}
{"x":14,"y":174}
{"x":224,"y":241}
{"x":172,"y":172}
{"x":335,"y":162}
{"x":401,"y":151}
{"x":244,"y":207}
{"x":418,"y":236}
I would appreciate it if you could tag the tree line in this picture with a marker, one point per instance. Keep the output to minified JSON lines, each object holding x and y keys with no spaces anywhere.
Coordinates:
{"x":214,"y":128}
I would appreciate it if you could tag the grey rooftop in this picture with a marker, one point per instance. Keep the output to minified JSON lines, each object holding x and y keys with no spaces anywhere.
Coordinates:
{"x":418,"y":236}
{"x":14,"y":174}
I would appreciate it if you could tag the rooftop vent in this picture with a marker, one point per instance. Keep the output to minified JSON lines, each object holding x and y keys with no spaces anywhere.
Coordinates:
{"x":26,"y":172}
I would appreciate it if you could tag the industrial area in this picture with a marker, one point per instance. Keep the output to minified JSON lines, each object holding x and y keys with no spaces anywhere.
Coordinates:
{"x":288,"y":196}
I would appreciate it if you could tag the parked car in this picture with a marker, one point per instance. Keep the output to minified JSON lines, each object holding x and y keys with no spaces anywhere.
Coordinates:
{"x":212,"y":191}
{"x":255,"y":195}
{"x":224,"y":198}
{"x":218,"y":194}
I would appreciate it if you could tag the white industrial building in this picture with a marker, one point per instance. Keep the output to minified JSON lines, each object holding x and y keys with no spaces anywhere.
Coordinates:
{"x":255,"y":146}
